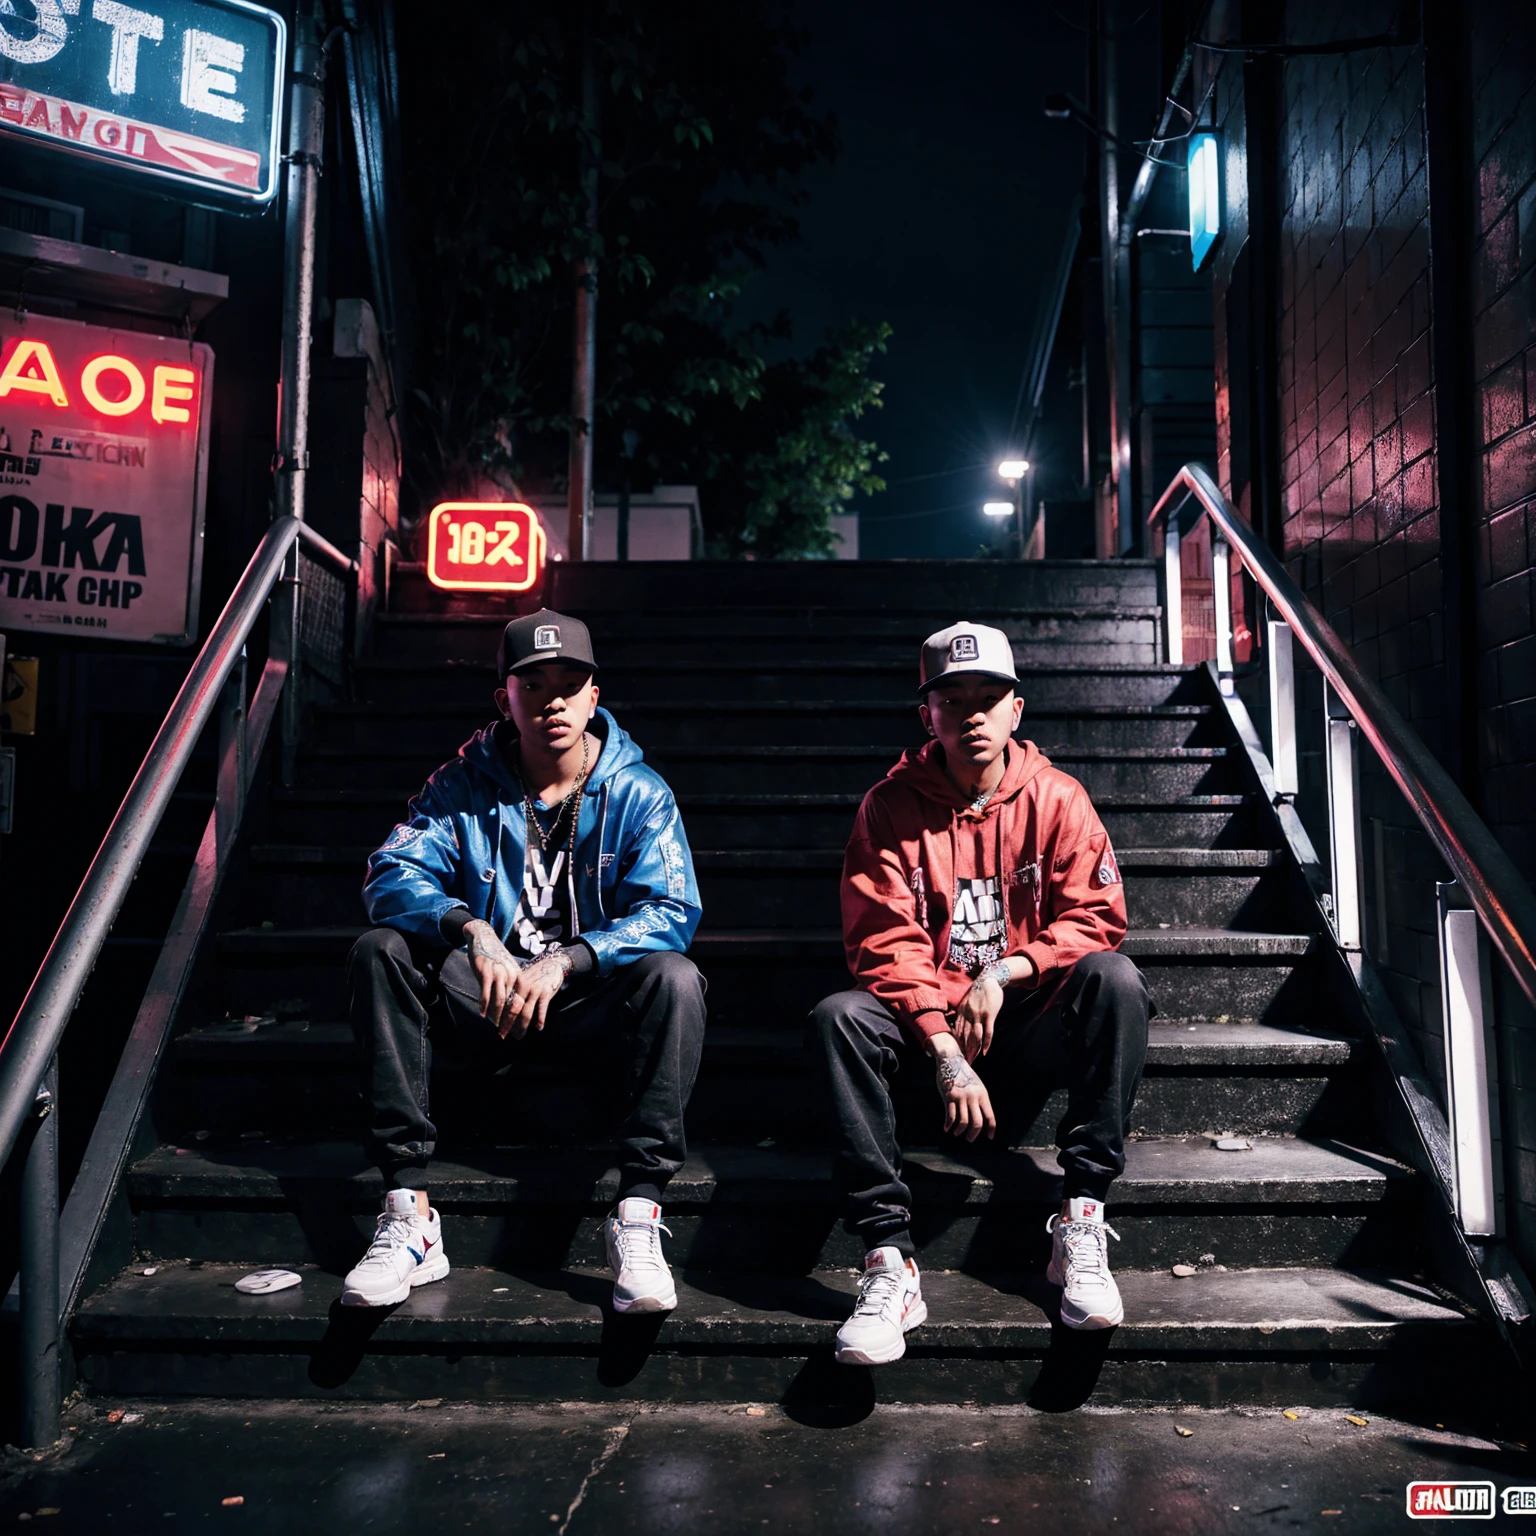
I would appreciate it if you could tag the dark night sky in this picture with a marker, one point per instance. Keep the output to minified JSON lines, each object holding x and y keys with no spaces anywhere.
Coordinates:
{"x":943,"y":215}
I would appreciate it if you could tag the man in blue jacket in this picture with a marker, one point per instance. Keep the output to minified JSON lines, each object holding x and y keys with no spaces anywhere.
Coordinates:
{"x":540,"y":882}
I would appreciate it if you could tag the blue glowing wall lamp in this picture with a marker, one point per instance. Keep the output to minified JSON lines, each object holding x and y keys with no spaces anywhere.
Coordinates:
{"x":1204,"y":195}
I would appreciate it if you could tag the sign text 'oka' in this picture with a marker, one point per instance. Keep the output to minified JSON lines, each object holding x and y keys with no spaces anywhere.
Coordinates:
{"x":488,"y":546}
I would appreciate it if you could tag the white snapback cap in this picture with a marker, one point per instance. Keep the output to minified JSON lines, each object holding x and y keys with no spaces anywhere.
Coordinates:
{"x":966,"y":648}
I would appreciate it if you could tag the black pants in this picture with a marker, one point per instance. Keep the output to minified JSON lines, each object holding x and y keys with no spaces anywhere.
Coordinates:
{"x":402,"y":989}
{"x":1087,"y":1033}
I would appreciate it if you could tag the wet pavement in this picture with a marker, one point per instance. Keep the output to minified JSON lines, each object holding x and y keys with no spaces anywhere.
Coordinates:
{"x":296,"y":1468}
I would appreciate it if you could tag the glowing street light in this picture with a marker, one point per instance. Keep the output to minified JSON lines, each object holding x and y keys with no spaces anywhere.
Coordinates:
{"x":998,"y":508}
{"x":1013,"y":469}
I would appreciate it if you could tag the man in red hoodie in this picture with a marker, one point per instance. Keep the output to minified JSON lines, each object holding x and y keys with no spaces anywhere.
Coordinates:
{"x":982,"y":910}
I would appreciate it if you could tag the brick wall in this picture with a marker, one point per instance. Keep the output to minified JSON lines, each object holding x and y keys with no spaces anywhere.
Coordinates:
{"x":1359,"y":471}
{"x":1503,"y":60}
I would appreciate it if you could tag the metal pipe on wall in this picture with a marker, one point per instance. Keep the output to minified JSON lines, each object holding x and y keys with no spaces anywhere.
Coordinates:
{"x":584,"y":320}
{"x":301,"y":186}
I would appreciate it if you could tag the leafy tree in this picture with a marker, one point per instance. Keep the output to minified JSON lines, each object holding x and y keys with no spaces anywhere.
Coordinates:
{"x":701,"y":138}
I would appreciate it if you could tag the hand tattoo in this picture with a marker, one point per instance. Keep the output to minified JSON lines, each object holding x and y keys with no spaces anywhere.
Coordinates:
{"x":484,"y":945}
{"x":955,"y":1072}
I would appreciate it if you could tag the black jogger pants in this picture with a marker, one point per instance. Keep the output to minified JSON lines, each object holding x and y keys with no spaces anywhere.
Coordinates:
{"x":402,"y":989}
{"x":1087,"y":1033}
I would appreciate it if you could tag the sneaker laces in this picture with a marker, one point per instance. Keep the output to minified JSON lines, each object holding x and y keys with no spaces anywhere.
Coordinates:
{"x":1087,"y":1252}
{"x":877,"y":1290}
{"x":639,"y":1244}
{"x":388,"y":1234}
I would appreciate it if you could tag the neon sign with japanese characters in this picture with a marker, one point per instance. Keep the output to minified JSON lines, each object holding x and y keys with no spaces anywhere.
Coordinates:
{"x":187,"y":90}
{"x":103,"y":474}
{"x":487,"y":546}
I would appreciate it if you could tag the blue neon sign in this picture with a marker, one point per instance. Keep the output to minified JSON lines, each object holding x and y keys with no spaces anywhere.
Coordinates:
{"x":1204,"y":195}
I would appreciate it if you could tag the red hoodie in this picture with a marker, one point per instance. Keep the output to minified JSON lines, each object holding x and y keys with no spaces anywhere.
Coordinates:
{"x":916,"y":836}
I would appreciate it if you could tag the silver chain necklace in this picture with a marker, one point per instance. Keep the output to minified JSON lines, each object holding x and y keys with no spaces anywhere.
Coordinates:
{"x":575,"y":795}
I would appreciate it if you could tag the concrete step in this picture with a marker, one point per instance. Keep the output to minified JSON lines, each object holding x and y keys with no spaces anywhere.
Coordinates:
{"x":771,"y":887}
{"x":1283,"y":1337}
{"x":294,"y":1077}
{"x":880,"y":586}
{"x":1288,"y":1201}
{"x":427,"y":738}
{"x":651,"y":634}
{"x":820,"y":819}
{"x":756,"y":675}
{"x":768,"y":975}
{"x":662,"y":731}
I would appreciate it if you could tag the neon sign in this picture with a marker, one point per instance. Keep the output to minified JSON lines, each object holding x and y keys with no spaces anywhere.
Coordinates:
{"x":109,"y":383}
{"x":190,"y":91}
{"x":486,"y":546}
{"x":1204,"y":194}
{"x":103,"y":472}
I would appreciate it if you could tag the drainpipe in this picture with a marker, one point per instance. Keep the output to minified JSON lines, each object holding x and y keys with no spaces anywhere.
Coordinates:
{"x":1105,"y":110}
{"x":290,"y":463}
{"x":306,"y":142}
{"x":1131,"y":530}
{"x":584,"y":320}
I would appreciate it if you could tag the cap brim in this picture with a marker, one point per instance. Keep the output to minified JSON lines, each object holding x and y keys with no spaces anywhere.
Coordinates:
{"x":553,"y":658}
{"x":944,"y":677}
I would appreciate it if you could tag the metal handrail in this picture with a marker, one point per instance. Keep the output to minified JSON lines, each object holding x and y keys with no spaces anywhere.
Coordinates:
{"x":34,"y":1035}
{"x":1496,"y":889}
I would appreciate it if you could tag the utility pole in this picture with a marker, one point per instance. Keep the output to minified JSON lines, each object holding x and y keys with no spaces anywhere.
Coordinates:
{"x":584,"y":341}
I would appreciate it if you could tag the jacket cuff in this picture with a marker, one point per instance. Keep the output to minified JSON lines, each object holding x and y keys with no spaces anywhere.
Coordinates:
{"x":1042,"y":957}
{"x":452,"y":923}
{"x":583,"y":961}
{"x":930,"y":1022}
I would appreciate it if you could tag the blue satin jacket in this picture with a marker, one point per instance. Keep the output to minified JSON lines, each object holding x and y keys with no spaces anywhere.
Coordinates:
{"x":463,"y":843}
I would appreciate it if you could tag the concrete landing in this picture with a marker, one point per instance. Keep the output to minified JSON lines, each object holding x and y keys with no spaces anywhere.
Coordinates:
{"x":613,"y":1469}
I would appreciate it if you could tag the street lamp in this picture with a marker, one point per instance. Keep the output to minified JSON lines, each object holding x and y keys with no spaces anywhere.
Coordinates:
{"x":1014,"y":470}
{"x":997,"y":508}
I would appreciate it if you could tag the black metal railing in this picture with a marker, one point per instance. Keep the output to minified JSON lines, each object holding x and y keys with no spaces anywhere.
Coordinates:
{"x":306,"y":635}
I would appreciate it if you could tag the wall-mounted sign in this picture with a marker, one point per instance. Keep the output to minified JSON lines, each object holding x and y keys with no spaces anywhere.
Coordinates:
{"x":1204,"y":194}
{"x":489,"y":546}
{"x":190,"y":90}
{"x":103,"y":472}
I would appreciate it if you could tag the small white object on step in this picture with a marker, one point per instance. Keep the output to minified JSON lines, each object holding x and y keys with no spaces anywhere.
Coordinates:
{"x":264,"y":1281}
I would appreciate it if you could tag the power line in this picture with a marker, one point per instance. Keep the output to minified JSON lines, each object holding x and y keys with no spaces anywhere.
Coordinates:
{"x":938,"y":474}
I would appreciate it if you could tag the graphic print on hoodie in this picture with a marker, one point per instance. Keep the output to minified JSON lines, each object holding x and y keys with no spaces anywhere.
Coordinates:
{"x":934,"y":888}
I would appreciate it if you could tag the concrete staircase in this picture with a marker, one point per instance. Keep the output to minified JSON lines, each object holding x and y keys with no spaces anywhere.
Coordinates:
{"x":771,"y":697}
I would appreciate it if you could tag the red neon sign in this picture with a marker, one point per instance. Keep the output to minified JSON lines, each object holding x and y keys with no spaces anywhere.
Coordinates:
{"x":486,"y":546}
{"x":109,"y":384}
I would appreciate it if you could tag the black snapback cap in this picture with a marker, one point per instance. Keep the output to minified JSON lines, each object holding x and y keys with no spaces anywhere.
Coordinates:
{"x":543,"y":636}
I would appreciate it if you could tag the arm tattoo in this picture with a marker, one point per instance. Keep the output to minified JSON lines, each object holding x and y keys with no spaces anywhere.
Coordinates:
{"x":956,"y":1072}
{"x":998,"y":971}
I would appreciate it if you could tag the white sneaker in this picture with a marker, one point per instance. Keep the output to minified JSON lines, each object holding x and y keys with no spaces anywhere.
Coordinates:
{"x":407,"y":1250}
{"x":1080,"y":1266}
{"x":644,"y":1282}
{"x":890,"y":1305}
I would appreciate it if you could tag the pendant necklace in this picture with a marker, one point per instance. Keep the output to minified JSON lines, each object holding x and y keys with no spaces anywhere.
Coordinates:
{"x":574,"y":797}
